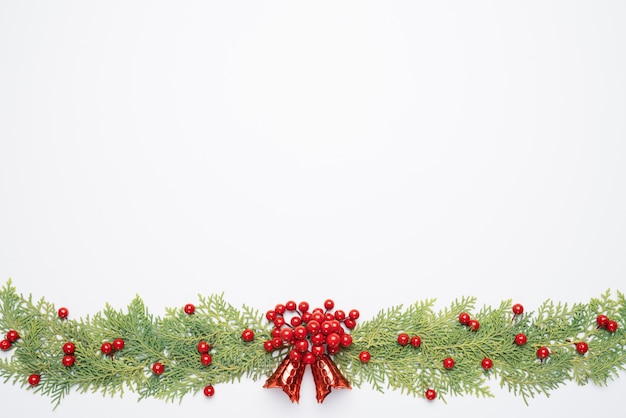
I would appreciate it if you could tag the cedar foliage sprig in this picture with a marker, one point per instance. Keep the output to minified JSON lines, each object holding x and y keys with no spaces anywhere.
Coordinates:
{"x":172,"y":339}
{"x":557,"y":326}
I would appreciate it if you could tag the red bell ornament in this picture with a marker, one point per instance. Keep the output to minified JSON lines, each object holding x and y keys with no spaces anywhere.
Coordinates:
{"x":288,"y":377}
{"x":327,"y":376}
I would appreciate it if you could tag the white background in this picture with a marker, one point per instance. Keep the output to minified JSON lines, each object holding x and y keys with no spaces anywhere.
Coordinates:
{"x":376,"y":153}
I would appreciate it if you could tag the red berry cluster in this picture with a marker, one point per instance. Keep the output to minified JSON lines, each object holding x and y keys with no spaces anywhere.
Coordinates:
{"x":404,"y":339}
{"x":203,"y":349}
{"x":466,"y":319}
{"x":521,"y":338}
{"x":10,"y":337}
{"x":68,"y":349}
{"x":606,"y":323}
{"x":309,"y":333}
{"x":603,"y":323}
{"x":110,"y":348}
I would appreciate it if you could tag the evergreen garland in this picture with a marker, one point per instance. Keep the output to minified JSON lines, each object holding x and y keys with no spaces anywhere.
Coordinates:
{"x":173,"y":339}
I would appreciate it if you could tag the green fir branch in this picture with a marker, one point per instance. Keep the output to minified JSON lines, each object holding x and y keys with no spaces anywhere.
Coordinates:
{"x":172,"y":340}
{"x":556,"y":326}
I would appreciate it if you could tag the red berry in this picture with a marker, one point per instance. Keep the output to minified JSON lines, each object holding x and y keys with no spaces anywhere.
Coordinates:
{"x":364,"y":356}
{"x":275,"y":332}
{"x":313,"y":327}
{"x":206,"y":359}
{"x":318,"y":316}
{"x":286,"y":334}
{"x":270,"y":315}
{"x":448,"y":363}
{"x":308,"y":358}
{"x":333,"y":350}
{"x":333,"y":339}
{"x":318,"y":339}
{"x":302,"y":345}
{"x":521,"y":339}
{"x":416,"y":341}
{"x":430,"y":394}
{"x":203,"y":347}
{"x":158,"y":368}
{"x":473,"y":325}
{"x":329,"y":304}
{"x":63,"y":313}
{"x":5,"y":345}
{"x":295,"y":355}
{"x":209,"y":391}
{"x":118,"y":344}
{"x":277,"y":342}
{"x":349,"y":323}
{"x":69,"y":348}
{"x":189,"y":309}
{"x":335,"y":326}
{"x":13,"y":336}
{"x":34,"y":379}
{"x":325,"y":327}
{"x":518,"y":309}
{"x":464,"y":318}
{"x":268,"y":346}
{"x":543,"y":353}
{"x":346,"y":340}
{"x":290,"y":305}
{"x":354,"y":314}
{"x":611,"y":326}
{"x":582,"y":347}
{"x":340,"y":315}
{"x":247,"y":335}
{"x":279,"y":321}
{"x":403,"y":339}
{"x":487,"y":363}
{"x":300,"y":332}
{"x":303,"y":307}
{"x":106,"y":348}
{"x":68,"y":360}
{"x":602,"y":321}
{"x":318,"y":350}
{"x":295,"y":321}
{"x":280,"y":309}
